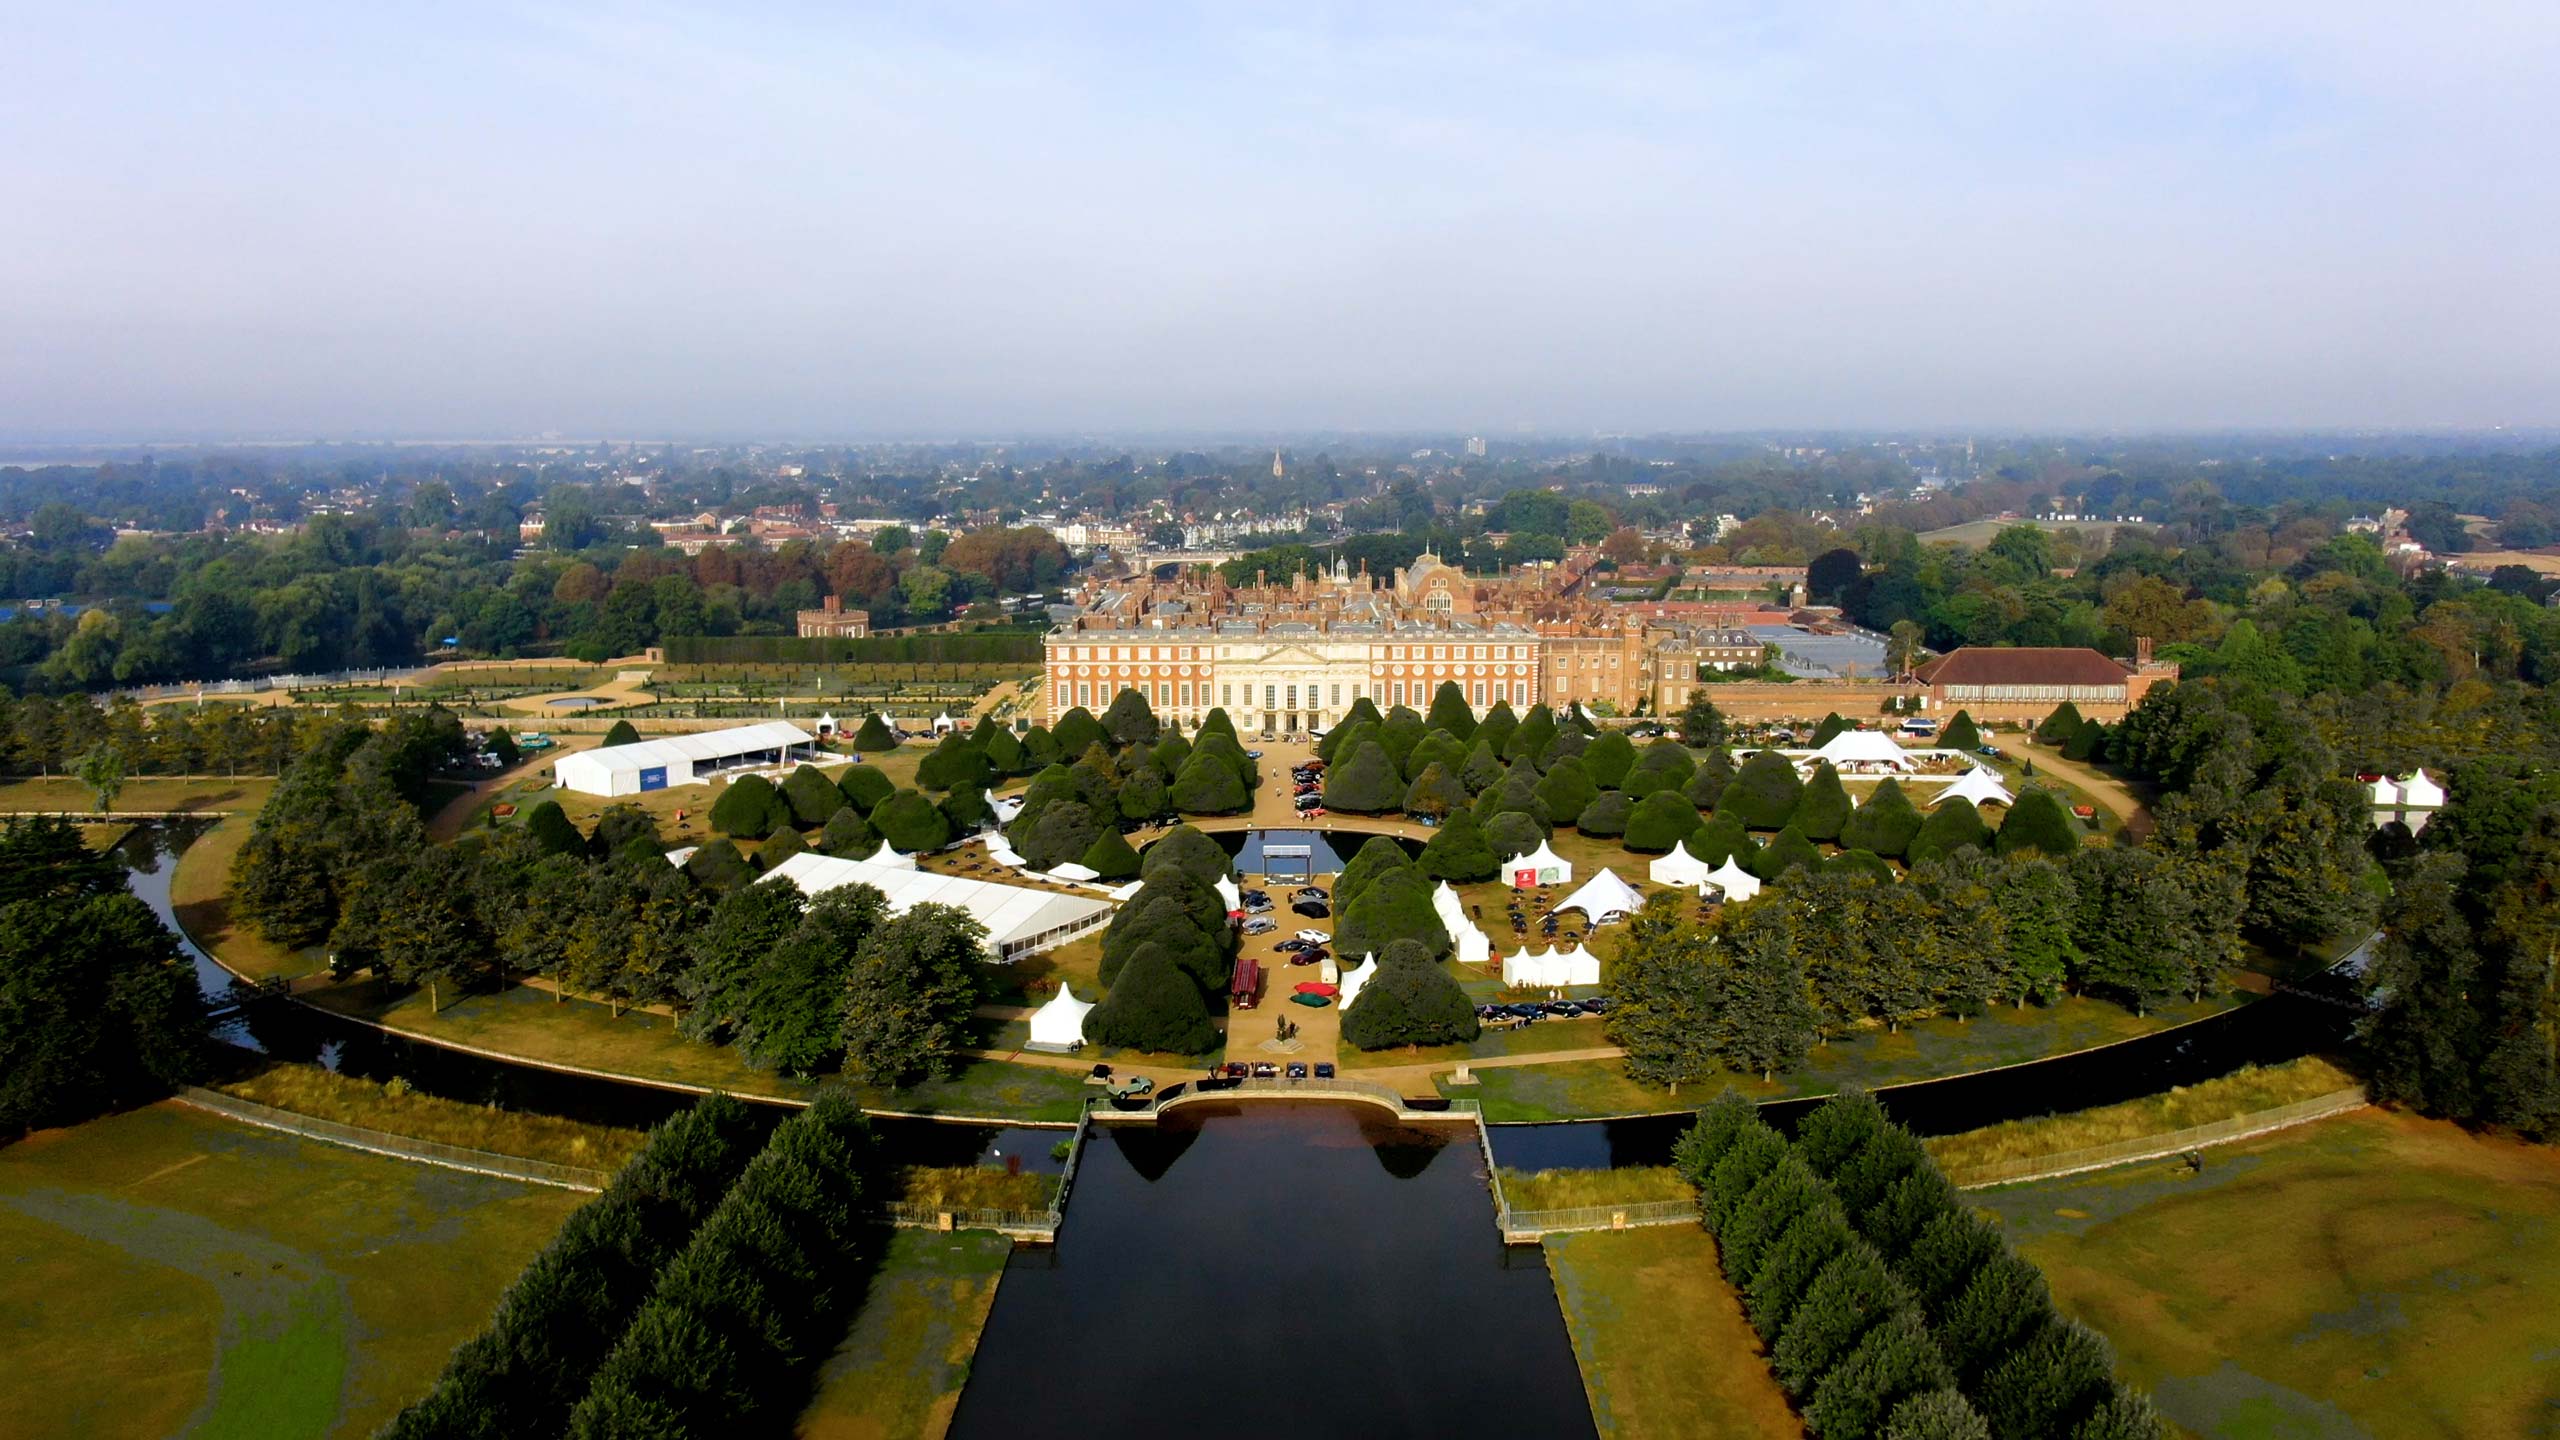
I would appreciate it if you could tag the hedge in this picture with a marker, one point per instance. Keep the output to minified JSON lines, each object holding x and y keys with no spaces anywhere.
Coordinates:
{"x":981,"y":648}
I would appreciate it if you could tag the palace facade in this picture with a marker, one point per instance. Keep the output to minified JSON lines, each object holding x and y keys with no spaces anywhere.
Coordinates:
{"x":1296,"y":655}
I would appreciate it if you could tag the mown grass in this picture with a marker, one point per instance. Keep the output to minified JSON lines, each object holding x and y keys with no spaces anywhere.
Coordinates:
{"x":398,"y":1110}
{"x":165,"y":1271}
{"x":2243,"y":1092}
{"x":974,"y":1187}
{"x":1574,"y":1189}
{"x":206,"y":795}
{"x":2372,"y":1274}
{"x":899,"y":1372}
{"x":1661,"y":1339}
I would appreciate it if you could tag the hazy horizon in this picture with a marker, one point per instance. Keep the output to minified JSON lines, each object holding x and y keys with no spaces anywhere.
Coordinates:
{"x":498,"y":221}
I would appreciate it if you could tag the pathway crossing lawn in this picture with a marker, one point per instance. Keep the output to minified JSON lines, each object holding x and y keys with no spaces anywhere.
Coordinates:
{"x":899,"y":1371}
{"x":1577,"y":1089}
{"x":2372,"y":1275}
{"x":168,"y":1272}
{"x":1661,"y":1340}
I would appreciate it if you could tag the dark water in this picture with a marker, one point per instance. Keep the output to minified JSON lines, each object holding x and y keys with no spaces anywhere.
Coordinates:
{"x":2262,"y":1032}
{"x":1323,"y":858}
{"x":1292,"y":1271}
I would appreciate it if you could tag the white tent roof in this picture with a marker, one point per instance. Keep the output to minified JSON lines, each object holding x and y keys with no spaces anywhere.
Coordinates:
{"x":1679,"y":868}
{"x":1005,"y":807}
{"x":1602,"y":894}
{"x":1075,"y":870}
{"x":1542,"y":858}
{"x":1737,"y":883}
{"x":2386,"y":793}
{"x":1011,"y":913}
{"x":1128,"y":891}
{"x":1979,"y":786}
{"x":706,"y":745}
{"x":886,"y":855}
{"x":1060,"y":1023}
{"x":1229,"y":893}
{"x":1868,"y":747}
{"x":679,"y":856}
{"x":1354,"y":981}
{"x":2419,"y":792}
{"x":1002,"y":853}
{"x":1551,"y":968}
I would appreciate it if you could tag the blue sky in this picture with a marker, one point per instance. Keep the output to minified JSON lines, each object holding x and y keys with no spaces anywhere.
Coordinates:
{"x":488,"y":219}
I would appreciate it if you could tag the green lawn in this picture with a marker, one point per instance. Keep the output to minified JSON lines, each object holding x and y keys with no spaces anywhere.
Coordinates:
{"x":1931,"y":1049}
{"x":145,"y":792}
{"x":2373,"y":1275}
{"x":578,"y":1033}
{"x":1661,"y":1340}
{"x":898,"y":1373}
{"x":168,"y":1272}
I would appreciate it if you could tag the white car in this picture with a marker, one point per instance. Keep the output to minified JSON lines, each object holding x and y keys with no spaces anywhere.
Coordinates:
{"x":1314,"y":937}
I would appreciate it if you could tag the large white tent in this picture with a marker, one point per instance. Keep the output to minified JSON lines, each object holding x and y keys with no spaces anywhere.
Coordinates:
{"x":1603,"y":895}
{"x":1861,"y":752}
{"x":888,"y":855}
{"x":677,"y":759}
{"x":1679,"y":868}
{"x":1472,"y":946}
{"x":1978,"y":785}
{"x":1737,"y":883}
{"x":1551,"y":968}
{"x":1058,"y":1027}
{"x":1542,"y":866}
{"x":1019,"y":921}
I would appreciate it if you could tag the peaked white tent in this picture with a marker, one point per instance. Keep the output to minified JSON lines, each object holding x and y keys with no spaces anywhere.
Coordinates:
{"x":1058,"y":1027}
{"x":1354,"y":981}
{"x":1551,"y":968}
{"x":1230,"y":894}
{"x":1542,"y":866}
{"x":1679,"y":868}
{"x":1602,"y":895}
{"x":1737,"y":883}
{"x":1862,"y":751}
{"x":1075,"y":872}
{"x":888,"y":855}
{"x":1978,"y":785}
{"x":1472,"y":946}
{"x":2421,"y":793}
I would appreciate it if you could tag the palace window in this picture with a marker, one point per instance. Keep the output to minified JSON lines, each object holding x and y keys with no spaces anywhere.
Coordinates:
{"x":1337,"y":693}
{"x":1399,"y":692}
{"x":1084,"y":694}
{"x":1226,"y":694}
{"x":1479,"y":692}
{"x":1268,"y":694}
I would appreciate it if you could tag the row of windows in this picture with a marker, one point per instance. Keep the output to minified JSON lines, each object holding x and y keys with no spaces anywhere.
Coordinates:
{"x":2105,"y":694}
{"x":1089,"y":654}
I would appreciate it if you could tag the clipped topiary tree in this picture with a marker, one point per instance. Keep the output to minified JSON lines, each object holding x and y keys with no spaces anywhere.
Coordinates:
{"x":1077,"y":730}
{"x":1661,"y":820}
{"x":1494,"y":730}
{"x":1130,"y":720}
{"x":1952,"y":825}
{"x":1517,"y":794}
{"x":1606,"y":816}
{"x":1961,"y":734}
{"x":1785,"y":853}
{"x":1110,"y":857}
{"x":1208,"y":786}
{"x":1439,"y":748}
{"x":1144,"y":795}
{"x":749,"y":808}
{"x":864,"y":787}
{"x":955,"y":764}
{"x":1707,"y":782}
{"x":1040,"y":750}
{"x":1401,"y":735}
{"x":1449,"y":711}
{"x":1512,"y":835}
{"x":1663,"y":765}
{"x":550,"y":828}
{"x":1435,"y":792}
{"x":1884,"y":824}
{"x":874,"y":734}
{"x":1566,"y":790}
{"x":1865,"y":864}
{"x":1364,"y":783}
{"x":2059,"y":726}
{"x":1824,"y":733}
{"x":969,"y":811}
{"x":781,"y":845}
{"x":1721,"y":838}
{"x":622,"y":732}
{"x":911,"y":822}
{"x":1378,"y":855}
{"x":1482,"y":771}
{"x":1823,"y":807}
{"x":1609,"y":758}
{"x":716,"y":866}
{"x":813,"y":798}
{"x":1187,"y":849}
{"x":1764,"y":792}
{"x":1530,"y":739}
{"x":1152,"y":1005}
{"x":1061,"y":834}
{"x":2037,"y":822}
{"x":849,"y":836}
{"x":2086,"y":743}
{"x":1458,"y":851}
{"x":1410,"y":1001}
{"x":1395,"y":906}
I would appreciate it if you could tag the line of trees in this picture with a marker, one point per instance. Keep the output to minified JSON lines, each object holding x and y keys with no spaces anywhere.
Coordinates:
{"x":1168,"y":953}
{"x":97,"y":1007}
{"x":1889,"y":1306}
{"x":1126,"y":770}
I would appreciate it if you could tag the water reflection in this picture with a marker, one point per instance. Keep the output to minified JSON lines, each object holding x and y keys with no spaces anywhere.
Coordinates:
{"x":1274,"y":1281}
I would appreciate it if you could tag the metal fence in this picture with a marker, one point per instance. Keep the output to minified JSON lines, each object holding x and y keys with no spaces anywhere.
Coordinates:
{"x":1522,"y":1225}
{"x":2155,"y":1147}
{"x":1039,"y":1227}
{"x":399,"y":1147}
{"x":1277,"y":1088}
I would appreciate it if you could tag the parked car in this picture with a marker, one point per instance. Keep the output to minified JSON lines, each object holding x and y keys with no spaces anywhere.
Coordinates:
{"x":1993,"y":751}
{"x":1324,"y":1069}
{"x":1315,"y":765}
{"x":1307,"y":804}
{"x":1253,"y":754}
{"x":1310,"y":788}
{"x":1316,"y":937}
{"x":1596,"y":1005}
{"x":1235,"y":1070}
{"x":1312,"y":909}
{"x":1259,"y":926}
{"x":1265,"y":1070}
{"x":1263,"y":895}
{"x":1562,"y":1009}
{"x":1297,"y":1069}
{"x":1315,"y":814}
{"x":1294,"y":943}
{"x":1307,"y":892}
